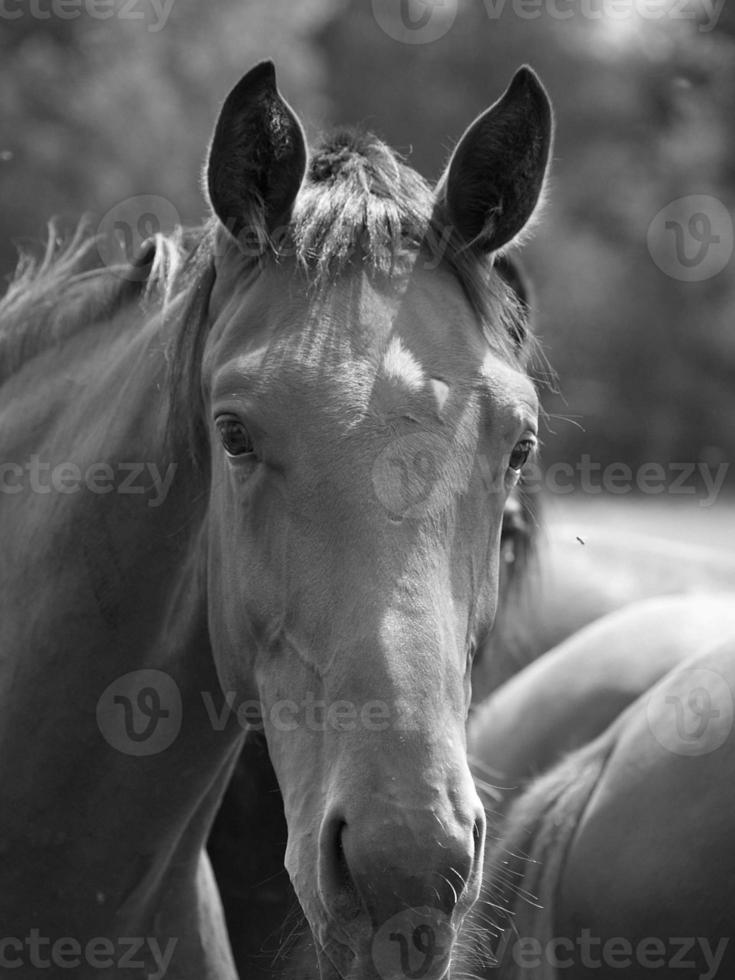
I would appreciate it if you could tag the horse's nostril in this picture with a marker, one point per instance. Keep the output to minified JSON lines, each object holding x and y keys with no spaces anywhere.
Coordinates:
{"x":342,"y":871}
{"x":337,"y":884}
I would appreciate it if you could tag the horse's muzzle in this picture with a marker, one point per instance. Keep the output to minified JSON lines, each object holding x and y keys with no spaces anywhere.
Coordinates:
{"x":393,"y":858}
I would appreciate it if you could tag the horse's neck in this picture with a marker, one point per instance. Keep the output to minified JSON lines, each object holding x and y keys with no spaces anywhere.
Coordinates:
{"x":247,"y":850}
{"x":111,"y":760}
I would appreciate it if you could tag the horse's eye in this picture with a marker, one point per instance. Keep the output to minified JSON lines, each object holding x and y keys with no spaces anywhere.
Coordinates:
{"x":519,"y":456}
{"x":235,"y":437}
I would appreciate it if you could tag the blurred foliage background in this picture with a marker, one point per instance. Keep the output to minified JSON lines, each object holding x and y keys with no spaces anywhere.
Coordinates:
{"x":96,"y":110}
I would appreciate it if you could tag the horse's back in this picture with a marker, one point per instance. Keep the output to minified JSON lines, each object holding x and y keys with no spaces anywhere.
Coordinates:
{"x":570,"y":695}
{"x":653,"y":856}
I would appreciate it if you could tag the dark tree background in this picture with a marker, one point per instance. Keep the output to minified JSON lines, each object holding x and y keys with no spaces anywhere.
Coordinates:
{"x":94,"y":112}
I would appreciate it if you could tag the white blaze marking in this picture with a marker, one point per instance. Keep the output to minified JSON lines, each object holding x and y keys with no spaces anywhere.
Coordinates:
{"x":399,"y":364}
{"x":441,"y":392}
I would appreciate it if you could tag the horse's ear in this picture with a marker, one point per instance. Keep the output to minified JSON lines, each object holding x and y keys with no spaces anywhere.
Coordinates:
{"x":495,"y":177}
{"x":257,"y":157}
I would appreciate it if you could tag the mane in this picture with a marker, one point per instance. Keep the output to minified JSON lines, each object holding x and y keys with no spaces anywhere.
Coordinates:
{"x":54,"y":295}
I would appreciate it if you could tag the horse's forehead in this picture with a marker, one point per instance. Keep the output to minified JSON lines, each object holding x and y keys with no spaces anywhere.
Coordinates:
{"x":407,"y":329}
{"x":507,"y":387}
{"x":412,"y":346}
{"x":430,"y":313}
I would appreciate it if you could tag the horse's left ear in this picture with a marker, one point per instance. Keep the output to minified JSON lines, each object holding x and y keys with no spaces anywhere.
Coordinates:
{"x":257,"y":158}
{"x":494,"y":179}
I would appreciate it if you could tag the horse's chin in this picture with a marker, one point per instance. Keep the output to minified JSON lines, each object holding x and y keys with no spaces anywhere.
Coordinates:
{"x":382,"y":955}
{"x":360,"y":969}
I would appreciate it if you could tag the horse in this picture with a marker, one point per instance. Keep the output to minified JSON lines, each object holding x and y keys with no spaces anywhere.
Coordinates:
{"x":611,"y":848}
{"x":550,"y":587}
{"x":609,"y":820}
{"x":258,"y":471}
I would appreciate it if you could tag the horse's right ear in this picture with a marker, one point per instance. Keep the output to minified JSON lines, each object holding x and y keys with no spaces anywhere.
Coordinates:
{"x":257,"y":158}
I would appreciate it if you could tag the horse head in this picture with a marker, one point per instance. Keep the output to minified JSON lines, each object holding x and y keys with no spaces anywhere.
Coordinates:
{"x":365,"y":413}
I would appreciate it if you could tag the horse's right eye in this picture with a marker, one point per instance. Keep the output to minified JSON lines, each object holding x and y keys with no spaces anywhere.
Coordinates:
{"x":519,"y":456}
{"x":235,"y":437}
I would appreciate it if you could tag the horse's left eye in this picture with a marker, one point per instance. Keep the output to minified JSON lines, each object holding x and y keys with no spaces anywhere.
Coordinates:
{"x":519,"y":456}
{"x":235,"y":437}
